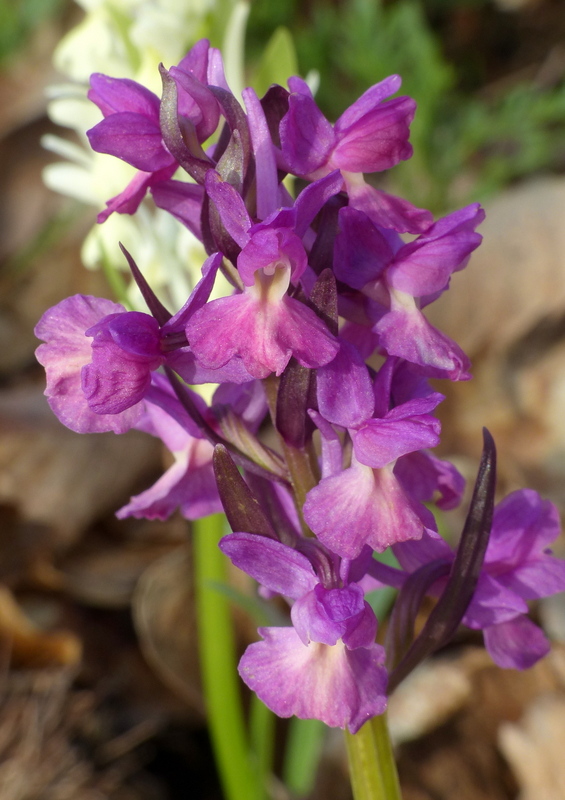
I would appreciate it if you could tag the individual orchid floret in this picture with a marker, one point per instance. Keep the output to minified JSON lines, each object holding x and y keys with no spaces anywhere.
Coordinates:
{"x":370,"y":136}
{"x":402,"y":278}
{"x":131,"y":128}
{"x":263,"y":325}
{"x":188,"y":484}
{"x":518,"y":567}
{"x":99,"y":358}
{"x":332,"y":667}
{"x":66,"y":353}
{"x":366,"y":503}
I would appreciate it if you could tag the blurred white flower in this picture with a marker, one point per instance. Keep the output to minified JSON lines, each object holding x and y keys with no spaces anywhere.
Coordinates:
{"x":127,"y":39}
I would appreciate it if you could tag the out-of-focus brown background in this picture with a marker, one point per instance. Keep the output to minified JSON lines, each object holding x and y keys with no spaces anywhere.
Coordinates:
{"x":99,"y":690}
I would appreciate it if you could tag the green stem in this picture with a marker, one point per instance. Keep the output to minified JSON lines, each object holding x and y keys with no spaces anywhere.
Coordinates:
{"x":218,"y":664}
{"x":302,"y":754}
{"x":262,"y":730}
{"x":371,"y":762}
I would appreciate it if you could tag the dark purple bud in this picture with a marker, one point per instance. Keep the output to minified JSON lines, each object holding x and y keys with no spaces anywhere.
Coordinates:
{"x":297,"y":393}
{"x":240,"y":504}
{"x":462,"y":582}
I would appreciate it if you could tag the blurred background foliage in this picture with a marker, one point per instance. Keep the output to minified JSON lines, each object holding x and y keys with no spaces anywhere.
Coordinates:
{"x":488,"y":76}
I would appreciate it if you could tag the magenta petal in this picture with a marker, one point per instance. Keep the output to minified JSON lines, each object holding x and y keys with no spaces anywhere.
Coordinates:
{"x":189,"y":485}
{"x":306,"y":135}
{"x":182,"y":200}
{"x":517,"y":644}
{"x":274,"y":565}
{"x":361,"y":252}
{"x":65,"y":352}
{"x":492,"y":603}
{"x":265,"y":166}
{"x":362,"y":506}
{"x":425,"y":268}
{"x":230,"y":206}
{"x":269,"y":249}
{"x":112,"y":383}
{"x":539,"y":578}
{"x":128,"y":201}
{"x":386,"y":210}
{"x":523,"y":526}
{"x":408,"y":334}
{"x":265,"y":335}
{"x":113,"y":95}
{"x":369,"y":101}
{"x":422,"y":474}
{"x":312,"y":198}
{"x":379,"y":441}
{"x":327,"y":615}
{"x":346,"y":369}
{"x":376,"y":141}
{"x":133,"y":138}
{"x":341,"y":687}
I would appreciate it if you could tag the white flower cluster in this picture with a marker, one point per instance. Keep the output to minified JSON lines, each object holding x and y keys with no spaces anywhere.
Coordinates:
{"x":127,"y":39}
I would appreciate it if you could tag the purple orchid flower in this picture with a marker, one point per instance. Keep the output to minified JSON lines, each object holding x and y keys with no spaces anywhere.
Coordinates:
{"x":131,"y":127}
{"x":99,"y":358}
{"x":402,"y":278}
{"x":370,"y":136}
{"x":518,"y":567}
{"x":188,"y":484}
{"x":366,"y":503}
{"x":327,"y":666}
{"x":263,"y":325}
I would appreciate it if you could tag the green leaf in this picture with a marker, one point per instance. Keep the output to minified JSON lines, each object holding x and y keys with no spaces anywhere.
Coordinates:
{"x":278,"y":62}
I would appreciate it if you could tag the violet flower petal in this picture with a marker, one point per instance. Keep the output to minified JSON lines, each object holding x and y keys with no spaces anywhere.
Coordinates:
{"x":347,"y":369}
{"x":274,"y":565}
{"x":379,"y":441}
{"x":517,"y":644}
{"x":65,"y":352}
{"x":341,"y":687}
{"x":133,"y":138}
{"x":188,"y":485}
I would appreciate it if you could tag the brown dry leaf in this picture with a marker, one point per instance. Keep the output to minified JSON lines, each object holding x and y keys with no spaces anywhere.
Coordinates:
{"x":507,"y":311}
{"x":106,"y":577}
{"x":461,"y":758}
{"x":27,"y":647}
{"x":432,"y":694}
{"x":61,"y":479}
{"x":534,"y":748}
{"x":163,"y":610}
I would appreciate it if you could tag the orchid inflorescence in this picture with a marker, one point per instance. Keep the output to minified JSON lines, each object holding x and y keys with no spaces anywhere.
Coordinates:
{"x":323,"y":331}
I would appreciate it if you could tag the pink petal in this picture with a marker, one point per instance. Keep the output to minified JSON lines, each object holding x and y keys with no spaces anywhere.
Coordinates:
{"x":341,"y":687}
